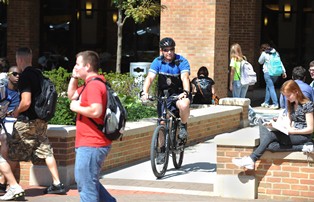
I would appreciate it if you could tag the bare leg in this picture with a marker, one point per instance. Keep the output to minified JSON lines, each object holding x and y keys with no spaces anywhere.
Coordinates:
{"x":52,"y":166}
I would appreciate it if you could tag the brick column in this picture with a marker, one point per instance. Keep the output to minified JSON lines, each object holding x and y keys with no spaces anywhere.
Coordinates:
{"x":23,"y":30}
{"x":201,"y":30}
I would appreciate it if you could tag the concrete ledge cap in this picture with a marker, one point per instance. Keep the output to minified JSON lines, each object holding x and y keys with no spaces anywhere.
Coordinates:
{"x":245,"y":137}
{"x":235,"y":101}
{"x":295,"y":155}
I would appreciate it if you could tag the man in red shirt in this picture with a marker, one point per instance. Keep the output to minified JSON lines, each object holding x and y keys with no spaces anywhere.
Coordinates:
{"x":91,"y":146}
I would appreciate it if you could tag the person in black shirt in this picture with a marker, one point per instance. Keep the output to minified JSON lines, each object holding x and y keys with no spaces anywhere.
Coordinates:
{"x":29,"y":138}
{"x":202,"y":87}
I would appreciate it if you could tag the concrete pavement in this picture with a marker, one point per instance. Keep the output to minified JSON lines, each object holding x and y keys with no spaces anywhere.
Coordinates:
{"x":194,"y":181}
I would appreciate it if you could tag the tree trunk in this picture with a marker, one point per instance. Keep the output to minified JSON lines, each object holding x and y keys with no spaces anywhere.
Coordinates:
{"x":119,"y":42}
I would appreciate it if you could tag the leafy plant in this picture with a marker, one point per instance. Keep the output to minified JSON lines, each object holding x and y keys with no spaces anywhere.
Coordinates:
{"x":125,"y":86}
{"x":128,"y":89}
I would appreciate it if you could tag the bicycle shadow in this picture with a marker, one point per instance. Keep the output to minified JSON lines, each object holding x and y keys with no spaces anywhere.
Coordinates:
{"x":201,"y":167}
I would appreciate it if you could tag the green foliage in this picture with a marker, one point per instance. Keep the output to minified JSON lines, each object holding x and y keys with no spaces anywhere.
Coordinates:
{"x":128,"y":91}
{"x":136,"y":110}
{"x":63,"y":116}
{"x":124,"y":84}
{"x":59,"y":77}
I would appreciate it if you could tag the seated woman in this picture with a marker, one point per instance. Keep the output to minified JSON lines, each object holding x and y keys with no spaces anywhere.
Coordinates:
{"x":299,"y":128}
{"x":202,"y":87}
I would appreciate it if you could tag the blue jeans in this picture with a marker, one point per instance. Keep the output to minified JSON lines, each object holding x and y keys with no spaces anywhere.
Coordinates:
{"x":87,"y":169}
{"x":278,"y":141}
{"x":270,"y":89}
{"x":239,"y":90}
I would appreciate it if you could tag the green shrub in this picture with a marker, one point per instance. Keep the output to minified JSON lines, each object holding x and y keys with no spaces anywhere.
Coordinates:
{"x":124,"y":84}
{"x":128,"y":91}
{"x":63,"y":116}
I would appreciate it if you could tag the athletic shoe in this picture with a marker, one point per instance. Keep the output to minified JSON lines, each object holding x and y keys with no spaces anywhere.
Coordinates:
{"x":307,"y":148}
{"x":161,"y":158}
{"x":246,"y":162}
{"x":15,"y":193}
{"x":3,"y":188}
{"x":183,"y":133}
{"x":273,"y":107}
{"x":264,"y":105}
{"x":55,"y":189}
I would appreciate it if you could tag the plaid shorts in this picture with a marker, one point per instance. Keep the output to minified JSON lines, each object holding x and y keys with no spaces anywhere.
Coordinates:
{"x":29,"y":141}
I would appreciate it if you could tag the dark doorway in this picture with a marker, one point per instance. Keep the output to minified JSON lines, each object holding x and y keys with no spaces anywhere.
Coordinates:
{"x":289,"y":27}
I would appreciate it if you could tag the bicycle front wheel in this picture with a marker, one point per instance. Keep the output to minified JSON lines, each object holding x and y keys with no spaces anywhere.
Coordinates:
{"x":177,"y":148}
{"x":159,"y":152}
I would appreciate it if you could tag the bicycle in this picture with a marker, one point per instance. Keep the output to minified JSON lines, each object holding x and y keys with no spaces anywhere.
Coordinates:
{"x":165,"y":139}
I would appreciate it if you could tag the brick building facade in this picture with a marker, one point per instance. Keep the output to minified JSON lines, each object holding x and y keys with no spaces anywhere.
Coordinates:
{"x":203,"y":31}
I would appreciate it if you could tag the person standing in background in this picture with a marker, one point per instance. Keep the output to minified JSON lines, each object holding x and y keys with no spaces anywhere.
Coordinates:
{"x":270,"y":81}
{"x":238,"y":90}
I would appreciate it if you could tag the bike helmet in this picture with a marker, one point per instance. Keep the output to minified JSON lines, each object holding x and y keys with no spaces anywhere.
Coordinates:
{"x":167,"y":42}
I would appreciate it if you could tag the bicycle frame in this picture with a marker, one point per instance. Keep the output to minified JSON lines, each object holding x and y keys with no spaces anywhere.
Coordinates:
{"x":164,"y":141}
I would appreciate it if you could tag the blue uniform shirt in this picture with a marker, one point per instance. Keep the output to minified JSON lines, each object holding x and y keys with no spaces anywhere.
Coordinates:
{"x":169,"y":73}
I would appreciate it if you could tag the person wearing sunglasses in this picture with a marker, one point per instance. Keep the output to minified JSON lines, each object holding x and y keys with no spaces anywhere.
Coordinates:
{"x":7,"y":167}
{"x":13,"y":96}
{"x":173,"y":75}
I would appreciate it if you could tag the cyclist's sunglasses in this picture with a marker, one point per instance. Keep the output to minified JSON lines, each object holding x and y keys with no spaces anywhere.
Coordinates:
{"x":14,"y":73}
{"x":168,"y":49}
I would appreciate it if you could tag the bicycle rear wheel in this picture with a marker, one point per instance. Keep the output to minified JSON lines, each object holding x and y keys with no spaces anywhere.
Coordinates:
{"x":159,"y":157}
{"x":177,"y":147}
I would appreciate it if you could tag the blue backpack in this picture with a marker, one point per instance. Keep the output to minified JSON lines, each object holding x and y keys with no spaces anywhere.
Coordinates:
{"x":275,"y":67}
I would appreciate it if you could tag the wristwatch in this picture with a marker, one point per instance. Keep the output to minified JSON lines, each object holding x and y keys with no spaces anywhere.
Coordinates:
{"x":186,"y":92}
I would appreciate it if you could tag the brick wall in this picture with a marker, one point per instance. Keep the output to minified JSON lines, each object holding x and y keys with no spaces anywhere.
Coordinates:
{"x":23,"y":27}
{"x":136,"y":145}
{"x":200,"y":29}
{"x":245,"y":28}
{"x":203,"y":124}
{"x":286,"y":176}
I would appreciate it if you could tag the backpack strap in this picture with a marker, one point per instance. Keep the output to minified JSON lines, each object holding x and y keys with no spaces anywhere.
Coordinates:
{"x":99,"y":126}
{"x":199,"y":86}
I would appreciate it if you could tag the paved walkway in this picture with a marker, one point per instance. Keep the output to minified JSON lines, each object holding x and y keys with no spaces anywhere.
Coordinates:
{"x":194,"y":181}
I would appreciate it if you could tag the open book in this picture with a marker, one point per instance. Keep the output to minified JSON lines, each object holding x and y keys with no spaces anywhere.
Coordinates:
{"x":281,"y":124}
{"x":275,"y":126}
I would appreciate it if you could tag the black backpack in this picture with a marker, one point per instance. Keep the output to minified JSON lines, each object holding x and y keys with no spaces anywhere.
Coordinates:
{"x":45,"y":102}
{"x":115,"y":117}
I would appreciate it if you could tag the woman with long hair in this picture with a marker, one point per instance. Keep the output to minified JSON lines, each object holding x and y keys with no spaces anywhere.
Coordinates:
{"x":238,"y":90}
{"x":299,"y":127}
{"x":202,"y":87}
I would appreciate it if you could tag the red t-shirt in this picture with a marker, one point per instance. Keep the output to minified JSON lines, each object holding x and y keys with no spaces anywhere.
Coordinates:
{"x":87,"y":133}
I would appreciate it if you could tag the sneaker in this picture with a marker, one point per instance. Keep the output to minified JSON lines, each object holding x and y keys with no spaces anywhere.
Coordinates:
{"x":14,"y":193}
{"x":264,"y":105}
{"x":273,"y":107}
{"x":3,"y":188}
{"x":307,"y":148}
{"x":183,"y":133}
{"x":161,"y":158}
{"x":55,"y":189}
{"x":246,"y":162}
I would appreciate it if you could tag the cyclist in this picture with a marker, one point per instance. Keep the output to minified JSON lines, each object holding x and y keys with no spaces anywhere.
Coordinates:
{"x":173,"y":75}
